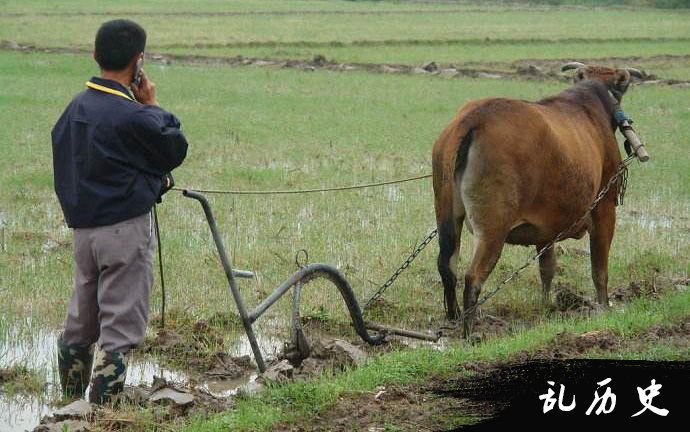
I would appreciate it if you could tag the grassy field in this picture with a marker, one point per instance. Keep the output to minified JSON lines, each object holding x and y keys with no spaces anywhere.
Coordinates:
{"x":342,"y":23}
{"x":305,"y":400}
{"x":271,"y":128}
{"x":254,"y":129}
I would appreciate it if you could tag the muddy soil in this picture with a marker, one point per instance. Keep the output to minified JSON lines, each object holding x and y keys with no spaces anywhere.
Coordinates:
{"x":197,"y":347}
{"x":211,"y":376}
{"x":429,"y":407}
{"x":20,"y":380}
{"x":7,"y":375}
{"x":170,"y":402}
{"x":192,"y":354}
{"x":403,"y":408}
{"x":523,"y":70}
{"x":539,"y":70}
{"x":478,"y":392}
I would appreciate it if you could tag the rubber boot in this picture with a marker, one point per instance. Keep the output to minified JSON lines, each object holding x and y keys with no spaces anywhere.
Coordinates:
{"x":108,"y":379}
{"x":74,"y":367}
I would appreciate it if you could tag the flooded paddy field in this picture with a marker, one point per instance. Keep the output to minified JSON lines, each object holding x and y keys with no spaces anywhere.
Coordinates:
{"x":285,"y":95}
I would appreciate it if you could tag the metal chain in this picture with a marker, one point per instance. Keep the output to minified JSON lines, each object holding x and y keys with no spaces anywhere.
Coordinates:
{"x":401,"y":269}
{"x":622,"y":171}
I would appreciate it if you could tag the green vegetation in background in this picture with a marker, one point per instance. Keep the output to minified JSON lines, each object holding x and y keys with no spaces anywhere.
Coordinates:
{"x":191,"y":6}
{"x":182,"y":6}
{"x":664,"y":4}
{"x":434,"y":22}
{"x":255,"y":128}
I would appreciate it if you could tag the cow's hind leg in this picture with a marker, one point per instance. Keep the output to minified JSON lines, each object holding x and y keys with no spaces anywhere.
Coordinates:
{"x":486,"y":253}
{"x":547,"y":269}
{"x":600,"y":237}
{"x":449,"y":248}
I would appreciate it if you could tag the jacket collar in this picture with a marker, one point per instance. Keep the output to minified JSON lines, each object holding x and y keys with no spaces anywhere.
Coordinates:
{"x":111,"y":85}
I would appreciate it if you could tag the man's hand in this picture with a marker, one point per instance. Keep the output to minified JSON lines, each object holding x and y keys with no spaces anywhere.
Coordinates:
{"x":145,"y":92}
{"x":167,"y":183}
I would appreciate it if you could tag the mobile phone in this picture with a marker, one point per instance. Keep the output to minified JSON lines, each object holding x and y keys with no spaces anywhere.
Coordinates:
{"x":137,"y":72}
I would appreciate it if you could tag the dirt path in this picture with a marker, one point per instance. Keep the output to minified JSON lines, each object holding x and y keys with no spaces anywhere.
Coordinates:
{"x":488,"y":42}
{"x":533,"y":70}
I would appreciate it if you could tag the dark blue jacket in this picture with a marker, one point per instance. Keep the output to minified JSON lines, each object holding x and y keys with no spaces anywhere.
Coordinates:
{"x":109,"y":155}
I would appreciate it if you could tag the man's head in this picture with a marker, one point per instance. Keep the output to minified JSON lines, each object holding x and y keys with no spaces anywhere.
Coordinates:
{"x":119,"y":43}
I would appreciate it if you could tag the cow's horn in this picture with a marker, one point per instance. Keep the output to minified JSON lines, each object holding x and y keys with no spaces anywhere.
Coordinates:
{"x":634,"y":72}
{"x":572,"y":65}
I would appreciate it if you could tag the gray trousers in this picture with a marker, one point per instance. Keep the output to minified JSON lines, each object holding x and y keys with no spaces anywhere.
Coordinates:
{"x":112,"y":283}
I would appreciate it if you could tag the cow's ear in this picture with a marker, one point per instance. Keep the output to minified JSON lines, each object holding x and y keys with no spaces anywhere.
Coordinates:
{"x":621,"y":80}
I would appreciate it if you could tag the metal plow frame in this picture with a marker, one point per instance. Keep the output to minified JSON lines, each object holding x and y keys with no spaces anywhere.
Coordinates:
{"x":298,"y":279}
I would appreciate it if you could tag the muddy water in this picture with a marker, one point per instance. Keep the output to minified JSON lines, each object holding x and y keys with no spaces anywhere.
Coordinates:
{"x":23,"y":412}
{"x":646,"y":221}
{"x":37,"y":350}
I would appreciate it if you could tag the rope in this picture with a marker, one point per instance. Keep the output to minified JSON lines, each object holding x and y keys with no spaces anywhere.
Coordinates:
{"x":304,"y":191}
{"x":160,"y":264}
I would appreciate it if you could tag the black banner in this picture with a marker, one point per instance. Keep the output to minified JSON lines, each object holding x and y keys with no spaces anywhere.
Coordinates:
{"x":558,"y":393}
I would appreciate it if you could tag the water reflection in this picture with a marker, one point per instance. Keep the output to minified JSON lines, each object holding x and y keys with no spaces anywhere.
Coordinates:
{"x":36,"y":349}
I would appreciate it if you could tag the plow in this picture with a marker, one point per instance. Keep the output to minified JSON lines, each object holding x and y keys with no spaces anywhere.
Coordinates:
{"x":298,"y":348}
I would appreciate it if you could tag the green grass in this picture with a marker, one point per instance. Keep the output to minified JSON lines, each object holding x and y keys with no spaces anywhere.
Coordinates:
{"x":263,"y":128}
{"x":494,"y":22}
{"x":20,"y":379}
{"x":203,"y":6}
{"x":306,"y":399}
{"x":298,"y":6}
{"x":670,"y":70}
{"x":251,"y":128}
{"x":659,"y":351}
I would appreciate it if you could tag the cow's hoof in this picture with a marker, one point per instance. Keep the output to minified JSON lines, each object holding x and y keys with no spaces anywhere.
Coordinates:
{"x":453,"y":314}
{"x":474,"y":339}
{"x":467,"y":329}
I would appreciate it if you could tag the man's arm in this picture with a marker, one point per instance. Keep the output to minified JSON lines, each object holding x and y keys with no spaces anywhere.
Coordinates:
{"x":156,"y":132}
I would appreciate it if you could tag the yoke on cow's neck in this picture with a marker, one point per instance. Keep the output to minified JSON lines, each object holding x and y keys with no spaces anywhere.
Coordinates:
{"x":632,"y":143}
{"x":620,"y":116}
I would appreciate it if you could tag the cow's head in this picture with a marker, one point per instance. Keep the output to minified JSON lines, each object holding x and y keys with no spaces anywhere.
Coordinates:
{"x":616,"y":80}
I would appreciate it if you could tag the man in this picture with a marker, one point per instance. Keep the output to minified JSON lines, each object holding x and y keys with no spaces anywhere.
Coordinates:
{"x":113,"y":152}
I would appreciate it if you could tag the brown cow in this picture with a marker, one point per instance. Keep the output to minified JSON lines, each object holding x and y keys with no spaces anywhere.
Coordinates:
{"x":520,"y":172}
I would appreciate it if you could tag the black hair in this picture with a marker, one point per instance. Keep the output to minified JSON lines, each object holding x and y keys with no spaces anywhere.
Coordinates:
{"x":117,"y":42}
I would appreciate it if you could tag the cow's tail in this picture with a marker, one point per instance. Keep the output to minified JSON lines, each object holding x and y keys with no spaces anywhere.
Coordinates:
{"x":449,"y":160}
